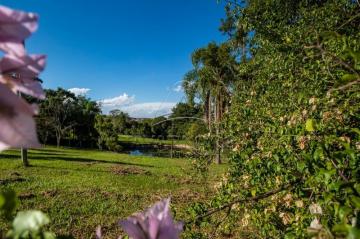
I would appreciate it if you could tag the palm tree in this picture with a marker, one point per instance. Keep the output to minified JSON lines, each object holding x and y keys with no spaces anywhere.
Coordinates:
{"x":211,"y":81}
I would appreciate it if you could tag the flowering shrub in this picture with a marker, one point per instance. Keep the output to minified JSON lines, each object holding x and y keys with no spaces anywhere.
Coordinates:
{"x":293,"y":123}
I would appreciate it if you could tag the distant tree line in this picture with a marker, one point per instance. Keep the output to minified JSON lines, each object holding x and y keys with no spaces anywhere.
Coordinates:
{"x":66,"y":119}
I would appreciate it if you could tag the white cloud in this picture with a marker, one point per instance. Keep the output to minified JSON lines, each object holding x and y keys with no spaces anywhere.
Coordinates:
{"x":79,"y":91}
{"x":127,"y":104}
{"x":178,"y":88}
{"x":149,"y":110}
{"x":117,"y":101}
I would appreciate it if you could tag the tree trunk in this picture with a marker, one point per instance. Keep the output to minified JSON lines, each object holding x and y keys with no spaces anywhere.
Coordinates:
{"x":217,"y":125}
{"x":217,"y":147}
{"x":24,"y":157}
{"x":46,"y":137}
{"x":207,"y":110}
{"x":209,"y":113}
{"x":58,"y":139}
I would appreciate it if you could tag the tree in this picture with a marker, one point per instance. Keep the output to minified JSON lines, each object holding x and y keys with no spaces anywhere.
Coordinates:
{"x":107,"y":136}
{"x":57,"y":109}
{"x":62,"y":114}
{"x":211,"y":81}
{"x":121,"y":121}
{"x":160,"y":130}
{"x":195,"y":130}
{"x":85,"y":133}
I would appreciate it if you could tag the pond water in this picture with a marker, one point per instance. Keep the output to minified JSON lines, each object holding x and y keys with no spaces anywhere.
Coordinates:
{"x":148,"y":150}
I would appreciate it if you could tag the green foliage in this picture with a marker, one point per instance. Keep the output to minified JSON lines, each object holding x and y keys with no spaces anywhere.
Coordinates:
{"x":195,"y":131}
{"x":121,"y":121}
{"x":294,"y":115}
{"x":8,"y":203}
{"x":180,"y":127}
{"x":160,"y":128}
{"x":108,"y":137}
{"x":64,"y":116}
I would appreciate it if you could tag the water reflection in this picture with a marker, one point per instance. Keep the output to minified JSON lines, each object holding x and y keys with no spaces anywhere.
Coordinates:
{"x":154,"y":152}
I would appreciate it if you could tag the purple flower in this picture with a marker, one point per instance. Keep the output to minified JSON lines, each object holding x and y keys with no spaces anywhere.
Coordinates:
{"x":155,"y":223}
{"x":16,"y":120}
{"x":15,"y":27}
{"x":98,"y":232}
{"x":19,"y":73}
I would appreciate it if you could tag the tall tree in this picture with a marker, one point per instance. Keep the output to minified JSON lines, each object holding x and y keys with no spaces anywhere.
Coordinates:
{"x":63,"y":114}
{"x":121,"y":121}
{"x":85,"y":133}
{"x":211,"y":82}
{"x":58,"y":108}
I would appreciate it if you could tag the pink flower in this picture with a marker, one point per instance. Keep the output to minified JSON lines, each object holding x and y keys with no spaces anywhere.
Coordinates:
{"x":20,"y":73}
{"x":155,"y":223}
{"x":15,"y":27}
{"x":16,"y":120}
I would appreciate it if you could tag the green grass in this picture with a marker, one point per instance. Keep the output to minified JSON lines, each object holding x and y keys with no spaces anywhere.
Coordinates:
{"x":141,"y":140}
{"x":80,"y":189}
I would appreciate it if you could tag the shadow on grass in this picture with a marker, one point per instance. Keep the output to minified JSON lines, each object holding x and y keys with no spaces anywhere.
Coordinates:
{"x":44,"y":156}
{"x":11,"y":180}
{"x":51,"y":151}
{"x":67,"y":170}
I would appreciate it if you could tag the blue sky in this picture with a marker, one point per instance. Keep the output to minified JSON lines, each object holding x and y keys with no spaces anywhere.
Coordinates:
{"x":129,"y":53}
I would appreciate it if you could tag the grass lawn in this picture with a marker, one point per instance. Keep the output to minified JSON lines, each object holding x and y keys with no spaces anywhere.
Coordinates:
{"x":141,"y":140}
{"x":81,"y":189}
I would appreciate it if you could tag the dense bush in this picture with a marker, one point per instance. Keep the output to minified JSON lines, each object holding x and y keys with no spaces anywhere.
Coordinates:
{"x":293,"y":123}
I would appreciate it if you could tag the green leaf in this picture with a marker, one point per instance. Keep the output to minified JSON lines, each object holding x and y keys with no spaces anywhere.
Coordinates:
{"x":310,"y":125}
{"x":319,"y":153}
{"x":353,"y":233}
{"x":355,"y":55}
{"x":349,"y":77}
{"x":8,"y":203}
{"x":356,"y":201}
{"x":49,"y":235}
{"x":343,"y":212}
{"x":356,"y":130}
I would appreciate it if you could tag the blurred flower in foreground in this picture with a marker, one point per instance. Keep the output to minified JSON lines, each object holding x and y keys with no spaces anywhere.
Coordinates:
{"x":17,"y":124}
{"x":155,"y":223}
{"x":15,"y":27}
{"x":18,"y":73}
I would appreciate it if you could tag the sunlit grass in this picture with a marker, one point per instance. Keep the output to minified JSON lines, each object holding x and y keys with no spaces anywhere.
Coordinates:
{"x":142,"y":140}
{"x":80,"y":189}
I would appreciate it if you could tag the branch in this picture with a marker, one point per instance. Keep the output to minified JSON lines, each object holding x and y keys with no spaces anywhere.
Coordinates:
{"x":248,"y":200}
{"x":336,"y":58}
{"x":339,"y":171}
{"x":220,"y":222}
{"x":68,"y":127}
{"x":344,"y":87}
{"x":351,"y":19}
